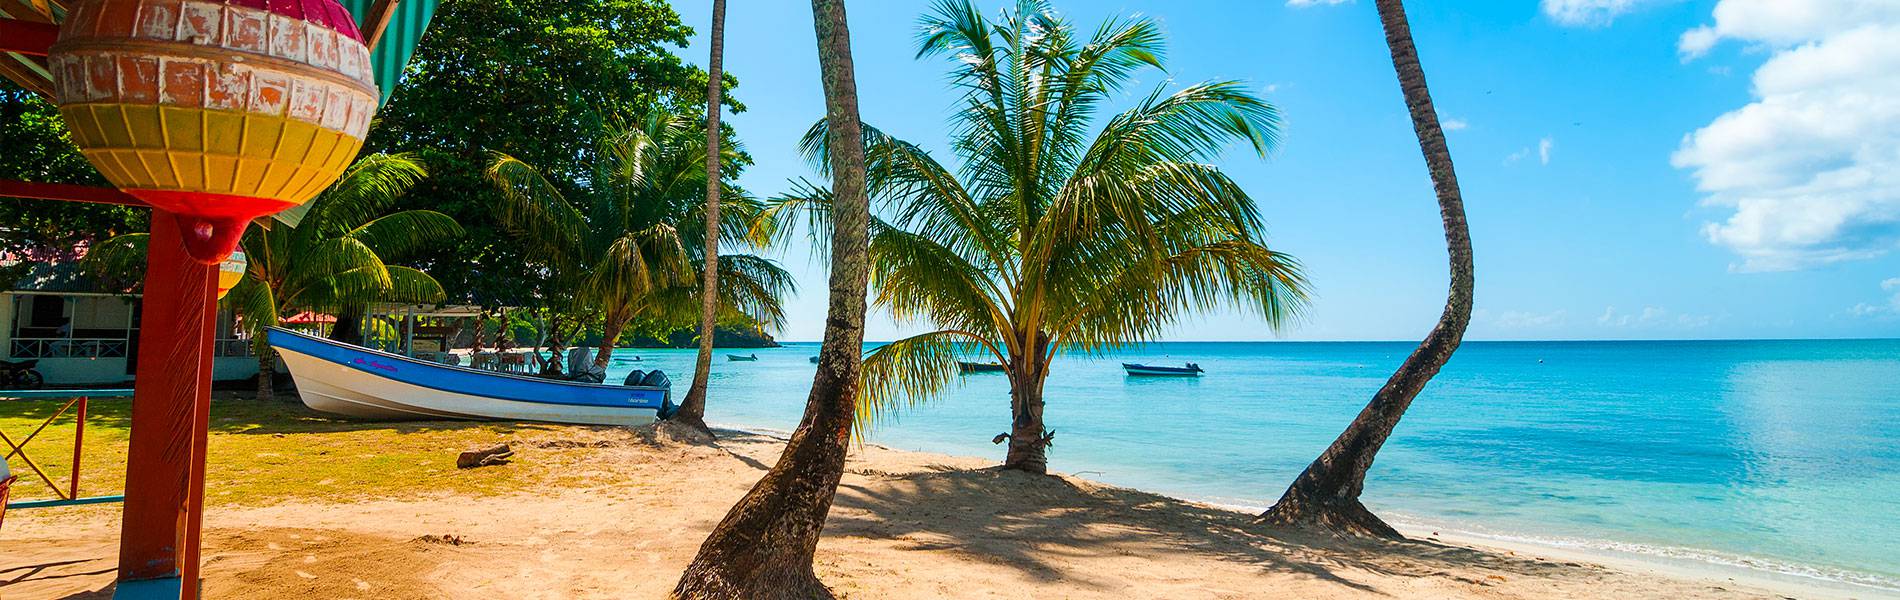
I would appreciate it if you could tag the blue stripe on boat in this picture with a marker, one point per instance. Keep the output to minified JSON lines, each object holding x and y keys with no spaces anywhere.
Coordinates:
{"x":464,"y":380}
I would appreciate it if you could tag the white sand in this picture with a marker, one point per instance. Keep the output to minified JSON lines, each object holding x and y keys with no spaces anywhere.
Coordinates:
{"x":619,"y":518}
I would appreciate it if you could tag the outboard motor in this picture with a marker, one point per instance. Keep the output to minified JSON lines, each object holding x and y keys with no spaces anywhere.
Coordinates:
{"x":635,"y":377}
{"x":658,"y":379}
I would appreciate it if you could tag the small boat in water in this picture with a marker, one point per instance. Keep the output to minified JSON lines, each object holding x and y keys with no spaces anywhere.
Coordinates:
{"x":738,"y":358}
{"x":1191,"y":370}
{"x":814,"y":360}
{"x":970,"y":367}
{"x":353,"y":381}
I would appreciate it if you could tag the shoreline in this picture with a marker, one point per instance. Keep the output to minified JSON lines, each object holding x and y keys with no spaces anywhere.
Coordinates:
{"x":1794,"y":580}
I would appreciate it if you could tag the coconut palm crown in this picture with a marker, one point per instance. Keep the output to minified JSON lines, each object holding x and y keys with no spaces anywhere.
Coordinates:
{"x":629,"y":242}
{"x":1054,"y":234}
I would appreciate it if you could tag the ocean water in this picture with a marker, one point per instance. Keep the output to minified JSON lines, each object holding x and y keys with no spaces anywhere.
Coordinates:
{"x":1775,"y":455}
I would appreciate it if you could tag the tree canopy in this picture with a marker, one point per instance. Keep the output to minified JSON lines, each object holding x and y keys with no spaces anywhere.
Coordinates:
{"x":533,"y":79}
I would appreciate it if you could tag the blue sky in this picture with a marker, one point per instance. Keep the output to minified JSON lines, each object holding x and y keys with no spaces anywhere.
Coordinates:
{"x":1631,"y":168}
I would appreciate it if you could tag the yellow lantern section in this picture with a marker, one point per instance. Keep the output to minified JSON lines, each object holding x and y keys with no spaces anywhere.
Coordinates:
{"x":230,"y":272}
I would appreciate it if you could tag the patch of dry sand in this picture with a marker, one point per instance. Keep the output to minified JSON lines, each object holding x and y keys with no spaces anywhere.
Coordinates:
{"x":619,"y":514}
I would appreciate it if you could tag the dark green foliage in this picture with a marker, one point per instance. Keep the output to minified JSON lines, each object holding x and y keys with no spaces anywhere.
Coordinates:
{"x":536,"y":80}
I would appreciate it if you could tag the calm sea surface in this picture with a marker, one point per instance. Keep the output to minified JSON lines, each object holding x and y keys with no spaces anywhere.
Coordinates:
{"x":1777,"y":455}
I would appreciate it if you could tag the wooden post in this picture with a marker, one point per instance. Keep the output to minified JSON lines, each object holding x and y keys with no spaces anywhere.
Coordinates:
{"x":171,"y":392}
{"x":79,"y":444}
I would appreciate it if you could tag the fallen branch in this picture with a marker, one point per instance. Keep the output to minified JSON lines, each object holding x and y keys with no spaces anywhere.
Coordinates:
{"x":495,"y":455}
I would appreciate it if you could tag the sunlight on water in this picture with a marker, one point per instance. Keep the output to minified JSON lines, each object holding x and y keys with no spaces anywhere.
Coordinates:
{"x":1779,"y":455}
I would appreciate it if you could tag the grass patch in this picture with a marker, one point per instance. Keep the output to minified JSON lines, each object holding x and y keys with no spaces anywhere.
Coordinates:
{"x":268,"y":451}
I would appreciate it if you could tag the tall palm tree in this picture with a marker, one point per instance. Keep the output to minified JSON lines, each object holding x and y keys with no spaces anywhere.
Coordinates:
{"x":1326,"y":494}
{"x":626,"y":240}
{"x":763,"y":547}
{"x":692,"y":411}
{"x":333,"y":261}
{"x":1054,"y":235}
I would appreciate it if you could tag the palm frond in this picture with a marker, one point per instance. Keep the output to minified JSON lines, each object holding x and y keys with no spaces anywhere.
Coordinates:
{"x":396,"y":235}
{"x":910,"y":372}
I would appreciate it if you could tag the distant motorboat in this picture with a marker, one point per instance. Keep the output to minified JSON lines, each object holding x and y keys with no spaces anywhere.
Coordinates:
{"x":970,"y":367}
{"x":627,"y":360}
{"x":1191,"y":370}
{"x":814,"y":360}
{"x":739,"y":358}
{"x":354,"y":381}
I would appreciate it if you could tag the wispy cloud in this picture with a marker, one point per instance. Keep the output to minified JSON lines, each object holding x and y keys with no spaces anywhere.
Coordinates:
{"x":1652,"y":317}
{"x":1891,"y":308}
{"x":1588,"y":13}
{"x":1544,"y":146}
{"x":1306,"y":3}
{"x":1453,"y":124}
{"x":1810,"y":169}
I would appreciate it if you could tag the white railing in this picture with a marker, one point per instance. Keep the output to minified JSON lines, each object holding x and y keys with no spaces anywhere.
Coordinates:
{"x":67,"y":348}
{"x":104,"y":348}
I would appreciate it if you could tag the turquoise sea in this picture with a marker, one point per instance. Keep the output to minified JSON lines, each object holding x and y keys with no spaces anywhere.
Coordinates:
{"x":1782,"y":456}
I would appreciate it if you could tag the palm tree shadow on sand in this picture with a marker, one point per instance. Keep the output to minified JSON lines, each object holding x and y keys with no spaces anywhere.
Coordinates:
{"x":1054,"y":518}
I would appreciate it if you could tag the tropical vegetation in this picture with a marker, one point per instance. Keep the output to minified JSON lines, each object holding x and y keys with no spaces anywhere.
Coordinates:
{"x":1055,"y":234}
{"x":336,"y":260}
{"x":624,"y":245}
{"x":536,"y":80}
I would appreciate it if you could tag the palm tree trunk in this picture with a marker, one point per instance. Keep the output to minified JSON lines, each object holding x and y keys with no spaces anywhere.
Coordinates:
{"x":692,"y":411}
{"x":1028,"y":443}
{"x":1326,"y":495}
{"x":764,"y":546}
{"x":610,"y":333}
{"x":266,"y":371}
{"x":349,"y":326}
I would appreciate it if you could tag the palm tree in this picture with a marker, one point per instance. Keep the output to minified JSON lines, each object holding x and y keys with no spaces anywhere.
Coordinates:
{"x":763,"y":547}
{"x":1047,"y":238}
{"x":1326,"y":494}
{"x":333,"y":261}
{"x":619,"y":240}
{"x":692,"y":411}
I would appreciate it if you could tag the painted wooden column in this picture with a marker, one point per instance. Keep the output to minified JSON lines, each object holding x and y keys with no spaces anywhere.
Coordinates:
{"x":172,"y":389}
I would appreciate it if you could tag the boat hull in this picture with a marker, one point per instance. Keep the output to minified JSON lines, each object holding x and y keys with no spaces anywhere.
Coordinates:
{"x":1152,"y":371}
{"x":361,"y":383}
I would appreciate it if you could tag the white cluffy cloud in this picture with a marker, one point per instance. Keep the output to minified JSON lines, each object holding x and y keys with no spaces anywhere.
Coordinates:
{"x":1544,"y":146}
{"x":1587,"y":13}
{"x":1454,"y":124}
{"x":1811,"y":167}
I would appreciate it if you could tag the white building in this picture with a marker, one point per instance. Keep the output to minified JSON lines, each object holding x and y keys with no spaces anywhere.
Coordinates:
{"x":83,"y":335}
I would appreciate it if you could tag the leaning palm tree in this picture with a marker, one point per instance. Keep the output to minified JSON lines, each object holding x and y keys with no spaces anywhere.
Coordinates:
{"x":692,"y":411}
{"x":333,"y":261}
{"x":763,"y":548}
{"x":626,"y":237}
{"x":1326,"y":494}
{"x":1054,"y":235}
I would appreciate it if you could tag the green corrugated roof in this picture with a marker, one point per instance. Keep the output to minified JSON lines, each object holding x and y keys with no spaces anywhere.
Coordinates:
{"x":399,"y":40}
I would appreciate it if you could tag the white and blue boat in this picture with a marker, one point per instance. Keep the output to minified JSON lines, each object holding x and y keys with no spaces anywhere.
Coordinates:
{"x":353,"y":381}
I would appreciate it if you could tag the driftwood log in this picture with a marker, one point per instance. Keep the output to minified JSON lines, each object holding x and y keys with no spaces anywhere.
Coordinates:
{"x":482,"y":457}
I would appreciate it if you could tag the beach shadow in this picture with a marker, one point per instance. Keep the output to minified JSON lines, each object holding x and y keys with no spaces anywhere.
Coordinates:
{"x":1045,"y":518}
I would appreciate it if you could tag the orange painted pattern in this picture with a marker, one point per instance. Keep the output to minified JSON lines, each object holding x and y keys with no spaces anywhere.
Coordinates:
{"x":191,"y":96}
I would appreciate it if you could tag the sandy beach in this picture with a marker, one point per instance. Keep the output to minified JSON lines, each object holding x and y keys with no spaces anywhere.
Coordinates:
{"x":614,"y":513}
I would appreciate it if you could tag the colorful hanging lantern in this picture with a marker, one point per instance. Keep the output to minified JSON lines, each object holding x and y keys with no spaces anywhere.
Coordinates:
{"x":219,"y":111}
{"x":230,"y":272}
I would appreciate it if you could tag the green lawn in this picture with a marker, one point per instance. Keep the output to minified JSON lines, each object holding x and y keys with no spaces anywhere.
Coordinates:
{"x":262,"y":452}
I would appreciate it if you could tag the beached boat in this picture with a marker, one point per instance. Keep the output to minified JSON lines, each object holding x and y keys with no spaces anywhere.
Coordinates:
{"x":738,"y":358}
{"x":970,"y":367}
{"x":1191,"y":370}
{"x":353,"y":381}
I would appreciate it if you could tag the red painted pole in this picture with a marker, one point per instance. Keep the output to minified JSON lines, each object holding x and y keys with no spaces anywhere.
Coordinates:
{"x":172,"y":387}
{"x":79,"y":444}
